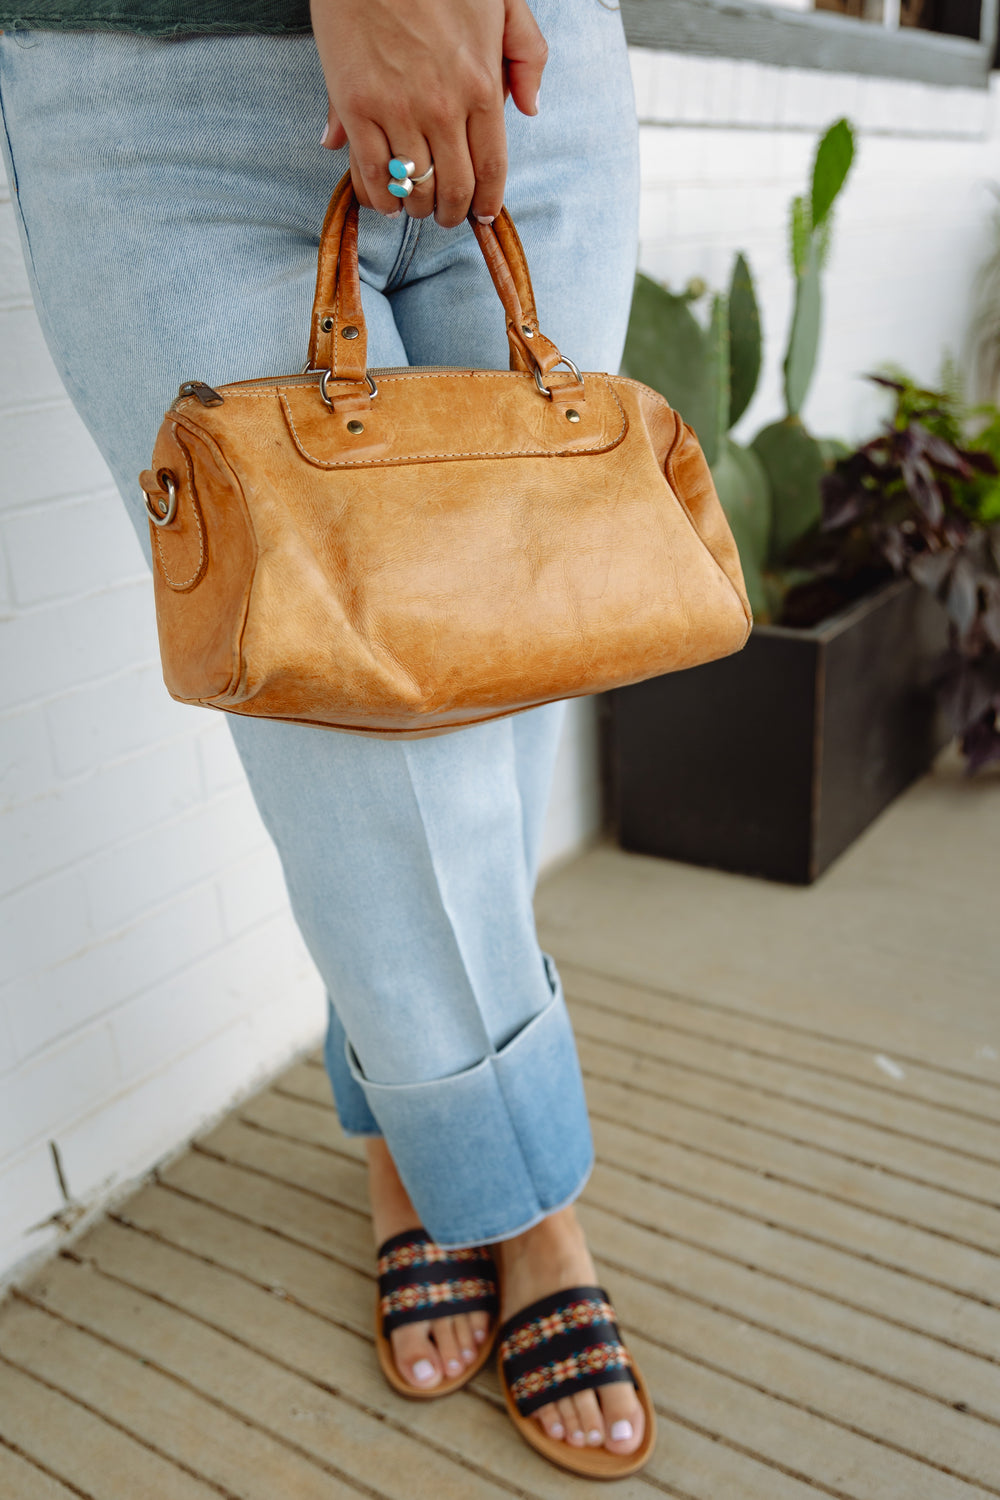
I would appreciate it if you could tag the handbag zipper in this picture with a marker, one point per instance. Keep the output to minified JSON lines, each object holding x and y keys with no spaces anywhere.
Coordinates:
{"x":209,"y":396}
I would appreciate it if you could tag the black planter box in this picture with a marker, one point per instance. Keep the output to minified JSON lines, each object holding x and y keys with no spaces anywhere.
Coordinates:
{"x":772,"y":761}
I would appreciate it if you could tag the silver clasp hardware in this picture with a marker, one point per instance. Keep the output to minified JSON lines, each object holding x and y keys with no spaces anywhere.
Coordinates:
{"x":546,"y":390}
{"x":162,"y":511}
{"x":328,"y":376}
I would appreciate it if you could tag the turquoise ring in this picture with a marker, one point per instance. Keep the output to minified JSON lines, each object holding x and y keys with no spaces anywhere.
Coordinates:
{"x":401,"y":176}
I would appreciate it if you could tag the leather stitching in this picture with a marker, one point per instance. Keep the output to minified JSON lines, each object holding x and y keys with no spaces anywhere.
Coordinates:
{"x":603,"y":447}
{"x":158,"y":540}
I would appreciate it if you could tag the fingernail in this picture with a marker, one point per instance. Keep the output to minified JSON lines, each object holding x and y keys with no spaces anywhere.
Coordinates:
{"x":326,"y":134}
{"x":454,"y":1367}
{"x":594,"y":1438}
{"x":468,"y":1355}
{"x":620,"y":1431}
{"x":485,"y":218}
{"x":395,"y":213}
{"x":537,"y":97}
{"x":557,"y":1430}
{"x":423,"y":1371}
{"x":479,"y":1334}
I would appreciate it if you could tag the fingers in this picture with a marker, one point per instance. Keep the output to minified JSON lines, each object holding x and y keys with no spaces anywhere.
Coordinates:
{"x":526,"y":53}
{"x":370,"y":153}
{"x":488,"y":149}
{"x":334,"y":136}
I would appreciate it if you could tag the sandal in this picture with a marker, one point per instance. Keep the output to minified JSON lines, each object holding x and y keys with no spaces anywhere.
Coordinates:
{"x":562,"y":1344}
{"x":419,"y":1280}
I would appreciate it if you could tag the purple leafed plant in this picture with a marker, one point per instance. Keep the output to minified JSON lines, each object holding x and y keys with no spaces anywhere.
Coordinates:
{"x":924,"y":498}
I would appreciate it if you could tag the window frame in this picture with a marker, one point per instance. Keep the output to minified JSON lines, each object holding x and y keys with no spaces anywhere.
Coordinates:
{"x":774,"y":34}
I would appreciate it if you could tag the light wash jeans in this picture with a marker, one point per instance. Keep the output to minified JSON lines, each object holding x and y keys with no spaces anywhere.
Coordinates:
{"x":170,"y":196}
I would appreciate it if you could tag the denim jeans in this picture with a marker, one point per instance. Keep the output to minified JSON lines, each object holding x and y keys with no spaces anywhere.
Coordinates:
{"x":170,"y":195}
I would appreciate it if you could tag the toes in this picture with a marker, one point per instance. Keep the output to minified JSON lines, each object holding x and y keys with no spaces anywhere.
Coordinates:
{"x":467,"y":1345}
{"x":449,"y":1348}
{"x":624,"y":1420}
{"x":481,"y":1324}
{"x":417,"y":1359}
{"x":551,"y":1422}
{"x":589,"y":1412}
{"x":576,"y":1433}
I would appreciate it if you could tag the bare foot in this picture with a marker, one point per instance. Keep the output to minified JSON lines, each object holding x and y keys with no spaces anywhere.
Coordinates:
{"x":440,"y":1349}
{"x":546,"y":1259}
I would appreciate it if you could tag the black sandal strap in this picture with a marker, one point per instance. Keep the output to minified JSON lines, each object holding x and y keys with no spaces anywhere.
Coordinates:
{"x":419,"y":1279}
{"x":560,"y":1345}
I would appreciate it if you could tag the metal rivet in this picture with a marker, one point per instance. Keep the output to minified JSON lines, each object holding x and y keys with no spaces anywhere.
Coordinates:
{"x":326,"y":324}
{"x":355,"y":427}
{"x":572,"y":416}
{"x":350,"y":332}
{"x":161,"y":506}
{"x":528,"y":332}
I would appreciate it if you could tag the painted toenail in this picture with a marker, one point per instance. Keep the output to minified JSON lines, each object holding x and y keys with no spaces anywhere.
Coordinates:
{"x":479,"y":1334}
{"x":557,"y":1430}
{"x":468,"y":1355}
{"x":620,"y":1431}
{"x":454,"y":1367}
{"x":595,"y":1438}
{"x":577,"y":1437}
{"x":423,"y":1371}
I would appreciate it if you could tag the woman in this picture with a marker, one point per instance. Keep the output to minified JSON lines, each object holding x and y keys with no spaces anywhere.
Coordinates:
{"x":169,"y":171}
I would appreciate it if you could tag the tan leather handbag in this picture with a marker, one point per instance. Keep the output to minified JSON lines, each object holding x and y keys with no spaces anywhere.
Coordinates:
{"x":405,"y":552}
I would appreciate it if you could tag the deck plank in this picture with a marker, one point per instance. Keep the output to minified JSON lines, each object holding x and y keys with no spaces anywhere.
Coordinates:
{"x":471,"y":1424}
{"x":868,"y":961}
{"x":803,"y":1260}
{"x":230,"y":1454}
{"x":789,"y":1041}
{"x":795,"y":1207}
{"x":271,"y":1399}
{"x":99,"y":1460}
{"x":926,"y":1131}
{"x":865,"y":1183}
{"x":825,"y":1321}
{"x":22,"y":1480}
{"x":821,"y":1171}
{"x":940,"y":1434}
{"x":744,"y":1106}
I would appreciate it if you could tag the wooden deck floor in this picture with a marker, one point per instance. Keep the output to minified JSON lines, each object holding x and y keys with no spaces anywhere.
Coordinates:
{"x":796,"y":1101}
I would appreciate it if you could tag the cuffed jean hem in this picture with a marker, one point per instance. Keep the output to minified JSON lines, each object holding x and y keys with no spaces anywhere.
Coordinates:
{"x":497,"y":1147}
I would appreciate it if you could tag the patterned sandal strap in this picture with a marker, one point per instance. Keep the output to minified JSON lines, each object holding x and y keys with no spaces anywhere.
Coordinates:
{"x":418,"y":1279}
{"x":562,"y":1344}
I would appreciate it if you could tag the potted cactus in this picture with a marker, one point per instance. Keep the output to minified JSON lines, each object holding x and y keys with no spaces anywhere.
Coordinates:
{"x":773,"y":761}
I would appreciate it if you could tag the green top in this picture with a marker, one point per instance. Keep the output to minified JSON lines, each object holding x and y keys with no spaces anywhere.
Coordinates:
{"x":156,"y":17}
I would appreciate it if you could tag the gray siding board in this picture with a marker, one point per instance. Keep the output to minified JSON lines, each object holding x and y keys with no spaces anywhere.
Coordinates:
{"x":797,"y":39}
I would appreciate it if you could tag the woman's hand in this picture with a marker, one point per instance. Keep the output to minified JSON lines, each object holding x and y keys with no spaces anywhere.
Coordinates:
{"x":426,"y":80}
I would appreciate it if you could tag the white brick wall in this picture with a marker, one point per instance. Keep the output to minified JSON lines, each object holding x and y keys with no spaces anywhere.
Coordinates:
{"x":149,"y":970}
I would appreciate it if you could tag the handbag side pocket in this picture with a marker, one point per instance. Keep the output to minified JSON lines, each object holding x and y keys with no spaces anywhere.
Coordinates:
{"x":203,"y":563}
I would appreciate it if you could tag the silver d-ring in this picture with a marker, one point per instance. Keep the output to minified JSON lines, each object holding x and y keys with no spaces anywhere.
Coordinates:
{"x":328,"y":376}
{"x":161,"y":515}
{"x":546,"y":390}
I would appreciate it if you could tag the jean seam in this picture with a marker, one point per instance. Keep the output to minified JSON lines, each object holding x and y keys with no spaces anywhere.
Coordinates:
{"x":404,"y":257}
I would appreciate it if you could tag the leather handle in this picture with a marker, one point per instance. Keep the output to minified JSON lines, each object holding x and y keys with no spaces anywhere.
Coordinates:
{"x":339,"y":339}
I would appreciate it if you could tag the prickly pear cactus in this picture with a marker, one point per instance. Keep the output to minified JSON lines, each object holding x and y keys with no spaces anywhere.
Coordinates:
{"x":666,"y":349}
{"x":793,"y":462}
{"x":810,"y":242}
{"x":743,"y":490}
{"x":803,"y":340}
{"x":744,"y":340}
